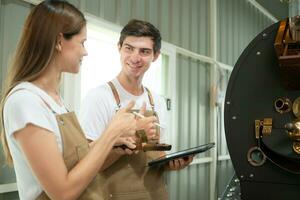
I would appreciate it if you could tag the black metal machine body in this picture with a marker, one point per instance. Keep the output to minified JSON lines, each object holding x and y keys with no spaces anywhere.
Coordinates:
{"x":262,"y":120}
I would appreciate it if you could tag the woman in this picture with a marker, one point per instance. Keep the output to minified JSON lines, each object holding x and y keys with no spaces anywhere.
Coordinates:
{"x":51,"y":156}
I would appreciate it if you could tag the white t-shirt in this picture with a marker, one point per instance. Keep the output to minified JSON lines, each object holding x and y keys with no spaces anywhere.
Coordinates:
{"x":21,"y":108}
{"x":99,"y":106}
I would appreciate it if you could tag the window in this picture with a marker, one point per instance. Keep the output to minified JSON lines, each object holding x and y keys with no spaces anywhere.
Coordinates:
{"x":102,"y":63}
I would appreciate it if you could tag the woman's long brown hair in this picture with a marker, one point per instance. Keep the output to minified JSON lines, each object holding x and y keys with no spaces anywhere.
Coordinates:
{"x":36,"y":47}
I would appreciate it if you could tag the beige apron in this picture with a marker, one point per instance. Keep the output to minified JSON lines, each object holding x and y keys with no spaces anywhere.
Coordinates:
{"x":75,"y":147}
{"x":130,"y":178}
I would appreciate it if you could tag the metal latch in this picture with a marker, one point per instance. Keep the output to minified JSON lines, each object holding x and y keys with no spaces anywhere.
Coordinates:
{"x":265,"y":126}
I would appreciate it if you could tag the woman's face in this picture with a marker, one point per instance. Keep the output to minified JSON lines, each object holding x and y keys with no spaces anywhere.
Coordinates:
{"x":72,"y":52}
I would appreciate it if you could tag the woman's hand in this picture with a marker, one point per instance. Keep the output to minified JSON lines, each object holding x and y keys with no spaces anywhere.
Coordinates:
{"x":129,"y":143}
{"x":147,"y":124}
{"x":123,"y":123}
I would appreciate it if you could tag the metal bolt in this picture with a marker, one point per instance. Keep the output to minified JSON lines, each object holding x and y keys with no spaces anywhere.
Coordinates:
{"x":264,"y":34}
{"x":251,"y":175}
{"x":234,"y":117}
{"x":242,"y":176}
{"x":258,"y":53}
{"x":228,"y":102}
{"x":229,"y":194}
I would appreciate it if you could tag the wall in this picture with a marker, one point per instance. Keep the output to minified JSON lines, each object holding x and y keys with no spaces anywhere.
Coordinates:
{"x":12,"y":15}
{"x":187,"y":25}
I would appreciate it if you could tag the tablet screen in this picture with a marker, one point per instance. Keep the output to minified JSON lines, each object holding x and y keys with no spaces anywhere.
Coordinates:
{"x":182,"y":154}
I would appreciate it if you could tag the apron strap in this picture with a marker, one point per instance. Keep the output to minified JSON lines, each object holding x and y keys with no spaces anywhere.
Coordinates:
{"x":150,"y":99}
{"x":115,"y":93}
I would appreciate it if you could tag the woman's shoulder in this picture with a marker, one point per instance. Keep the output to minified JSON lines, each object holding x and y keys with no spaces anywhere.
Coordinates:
{"x":28,"y":94}
{"x":22,"y":96}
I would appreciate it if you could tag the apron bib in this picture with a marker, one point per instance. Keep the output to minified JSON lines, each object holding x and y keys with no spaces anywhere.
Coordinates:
{"x":75,"y":147}
{"x":130,"y":178}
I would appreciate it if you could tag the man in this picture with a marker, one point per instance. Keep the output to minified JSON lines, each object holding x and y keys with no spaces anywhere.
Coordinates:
{"x":126,"y":174}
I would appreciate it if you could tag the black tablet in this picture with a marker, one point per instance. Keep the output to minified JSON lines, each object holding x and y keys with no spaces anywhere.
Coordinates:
{"x":181,"y":154}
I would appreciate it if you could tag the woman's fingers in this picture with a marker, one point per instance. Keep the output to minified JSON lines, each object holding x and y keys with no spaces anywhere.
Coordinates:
{"x":129,"y":144}
{"x":128,"y":141}
{"x":143,"y":109}
{"x":129,"y":106}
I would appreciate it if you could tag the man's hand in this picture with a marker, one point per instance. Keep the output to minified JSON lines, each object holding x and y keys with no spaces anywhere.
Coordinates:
{"x":147,"y":124}
{"x":179,"y":163}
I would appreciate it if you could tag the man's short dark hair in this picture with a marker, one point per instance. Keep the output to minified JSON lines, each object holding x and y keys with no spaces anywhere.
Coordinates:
{"x":140,"y":28}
